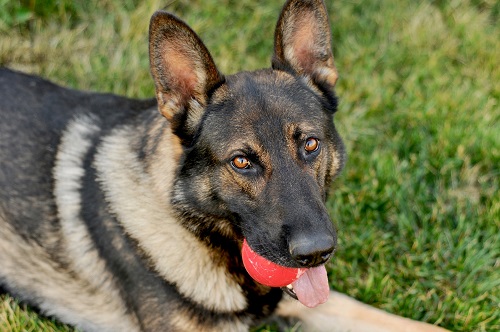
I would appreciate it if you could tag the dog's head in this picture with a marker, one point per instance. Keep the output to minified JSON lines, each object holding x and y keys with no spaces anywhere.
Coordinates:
{"x":260,"y":148}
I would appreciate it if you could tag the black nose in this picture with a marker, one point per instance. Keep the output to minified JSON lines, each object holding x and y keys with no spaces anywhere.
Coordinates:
{"x":312,"y":252}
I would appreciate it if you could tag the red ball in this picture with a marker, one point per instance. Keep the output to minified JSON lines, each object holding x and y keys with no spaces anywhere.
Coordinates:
{"x":266,"y":272}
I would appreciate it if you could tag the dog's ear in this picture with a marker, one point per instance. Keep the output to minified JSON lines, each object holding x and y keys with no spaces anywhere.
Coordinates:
{"x":183,"y":71}
{"x":302,"y":41}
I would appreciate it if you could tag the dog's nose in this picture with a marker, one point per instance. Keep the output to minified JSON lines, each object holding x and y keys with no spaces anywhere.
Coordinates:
{"x":312,"y":252}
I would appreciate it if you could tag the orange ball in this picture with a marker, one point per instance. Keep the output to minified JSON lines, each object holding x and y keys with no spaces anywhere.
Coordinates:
{"x":266,"y":272}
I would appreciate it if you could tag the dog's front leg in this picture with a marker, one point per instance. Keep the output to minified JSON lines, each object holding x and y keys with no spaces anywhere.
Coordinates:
{"x":342,"y":313}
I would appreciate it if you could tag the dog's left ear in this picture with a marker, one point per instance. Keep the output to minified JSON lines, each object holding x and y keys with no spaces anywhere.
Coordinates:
{"x":302,"y":41}
{"x":183,"y":71}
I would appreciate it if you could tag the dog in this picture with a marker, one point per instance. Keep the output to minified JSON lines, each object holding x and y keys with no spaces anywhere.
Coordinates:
{"x":130,"y":215}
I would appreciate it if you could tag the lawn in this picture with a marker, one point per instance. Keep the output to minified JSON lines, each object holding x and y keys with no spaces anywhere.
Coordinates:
{"x":418,"y":205}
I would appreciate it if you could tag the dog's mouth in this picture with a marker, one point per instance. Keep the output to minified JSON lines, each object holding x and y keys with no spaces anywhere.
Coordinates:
{"x":308,"y":285}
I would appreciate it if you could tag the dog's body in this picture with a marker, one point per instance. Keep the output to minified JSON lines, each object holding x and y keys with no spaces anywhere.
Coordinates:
{"x":113,"y":218}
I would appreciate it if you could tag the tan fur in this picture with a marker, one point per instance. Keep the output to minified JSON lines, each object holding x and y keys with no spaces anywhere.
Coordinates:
{"x":68,"y":173}
{"x":183,"y":322}
{"x":61,"y":293}
{"x":344,"y":314}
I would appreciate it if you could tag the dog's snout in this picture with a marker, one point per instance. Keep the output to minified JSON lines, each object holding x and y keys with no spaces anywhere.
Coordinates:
{"x":312,"y":252}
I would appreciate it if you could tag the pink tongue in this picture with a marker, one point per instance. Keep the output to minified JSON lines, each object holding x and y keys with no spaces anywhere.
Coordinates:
{"x":312,"y":287}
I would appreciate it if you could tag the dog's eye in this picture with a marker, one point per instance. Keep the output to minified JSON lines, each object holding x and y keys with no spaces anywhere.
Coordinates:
{"x":311,"y":145}
{"x":241,"y":162}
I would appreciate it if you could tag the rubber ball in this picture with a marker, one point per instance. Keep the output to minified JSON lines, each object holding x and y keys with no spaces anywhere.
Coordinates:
{"x":266,"y":272}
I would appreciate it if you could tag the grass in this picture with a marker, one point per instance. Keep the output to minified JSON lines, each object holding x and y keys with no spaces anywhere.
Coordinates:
{"x":418,"y":205}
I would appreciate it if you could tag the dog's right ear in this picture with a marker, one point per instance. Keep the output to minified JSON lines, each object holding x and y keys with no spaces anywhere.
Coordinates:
{"x":183,"y":71}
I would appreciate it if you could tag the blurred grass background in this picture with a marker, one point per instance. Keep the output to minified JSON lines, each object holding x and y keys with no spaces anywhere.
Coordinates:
{"x":418,"y":205}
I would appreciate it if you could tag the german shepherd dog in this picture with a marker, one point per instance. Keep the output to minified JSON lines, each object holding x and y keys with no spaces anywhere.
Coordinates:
{"x":117,"y":217}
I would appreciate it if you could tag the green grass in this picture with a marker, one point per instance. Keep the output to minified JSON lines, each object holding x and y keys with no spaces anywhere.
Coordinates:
{"x":14,"y":317}
{"x":418,"y":205}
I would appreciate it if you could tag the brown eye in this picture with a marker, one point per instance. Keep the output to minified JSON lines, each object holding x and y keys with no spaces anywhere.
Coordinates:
{"x":312,"y":144}
{"x":240,"y":162}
